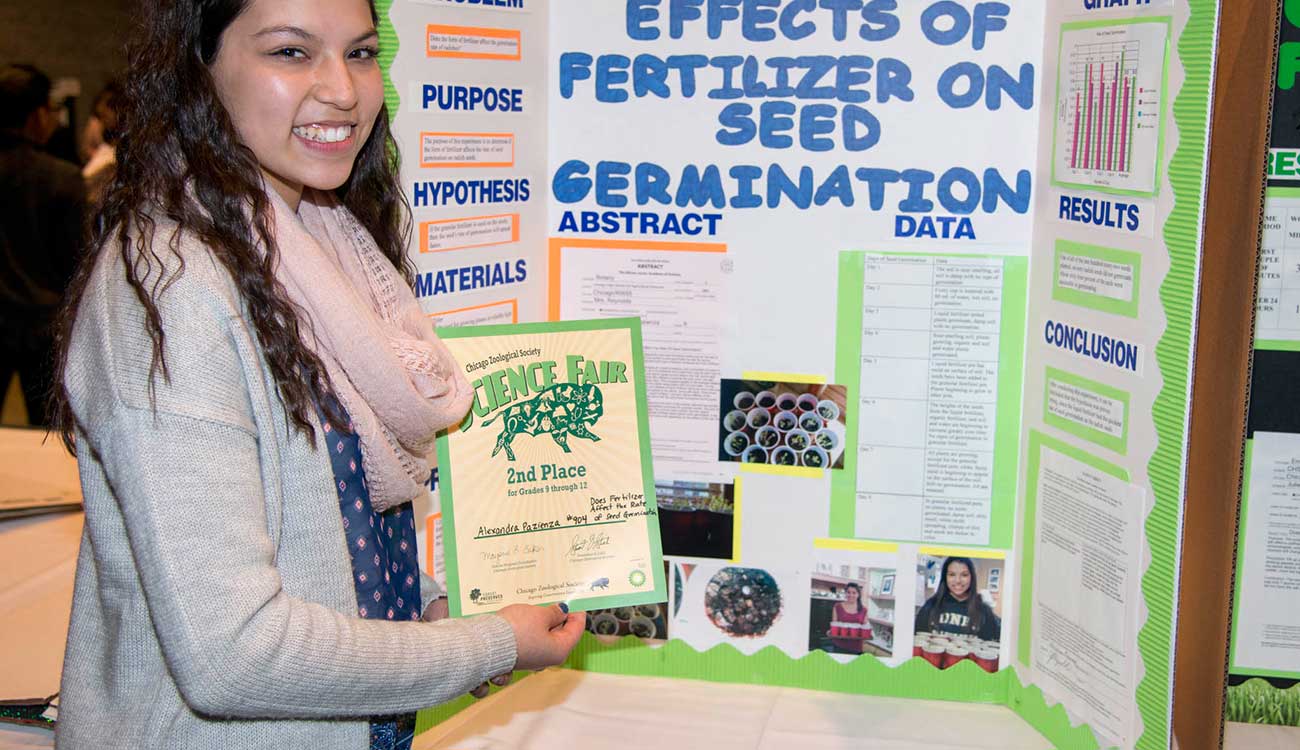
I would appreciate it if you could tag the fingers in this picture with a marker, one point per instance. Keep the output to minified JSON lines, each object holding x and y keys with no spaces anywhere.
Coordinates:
{"x":558,"y":614}
{"x":571,"y":631}
{"x":480,"y":692}
{"x":501,"y":680}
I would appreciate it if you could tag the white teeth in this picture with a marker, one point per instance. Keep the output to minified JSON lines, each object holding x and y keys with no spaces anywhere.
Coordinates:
{"x":323,"y":135}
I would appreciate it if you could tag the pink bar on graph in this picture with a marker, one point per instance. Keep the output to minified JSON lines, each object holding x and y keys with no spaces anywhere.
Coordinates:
{"x":1074,"y":150}
{"x":1123,"y":131}
{"x":1114,"y":106}
{"x":1087,"y":124}
{"x":1101,"y":115}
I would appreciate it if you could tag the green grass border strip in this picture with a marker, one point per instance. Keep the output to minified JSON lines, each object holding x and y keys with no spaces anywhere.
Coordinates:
{"x":1258,"y":702}
{"x":1173,"y":355}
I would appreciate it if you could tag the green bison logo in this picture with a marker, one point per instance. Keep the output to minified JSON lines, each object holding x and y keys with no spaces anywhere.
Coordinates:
{"x":561,"y":410}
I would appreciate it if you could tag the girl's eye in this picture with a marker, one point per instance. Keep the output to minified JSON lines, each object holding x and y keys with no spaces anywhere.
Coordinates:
{"x":292,"y":53}
{"x":365,"y":53}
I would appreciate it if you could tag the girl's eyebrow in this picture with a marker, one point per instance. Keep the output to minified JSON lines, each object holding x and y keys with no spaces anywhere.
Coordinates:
{"x":307,"y":35}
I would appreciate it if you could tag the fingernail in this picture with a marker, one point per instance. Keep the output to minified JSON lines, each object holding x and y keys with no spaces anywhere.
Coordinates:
{"x":564,"y":608}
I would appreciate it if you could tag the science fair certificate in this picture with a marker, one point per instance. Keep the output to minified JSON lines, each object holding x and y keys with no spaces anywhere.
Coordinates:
{"x":546,"y":486}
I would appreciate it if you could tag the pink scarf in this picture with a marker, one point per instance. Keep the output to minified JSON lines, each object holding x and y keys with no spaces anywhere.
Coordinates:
{"x":397,"y":381}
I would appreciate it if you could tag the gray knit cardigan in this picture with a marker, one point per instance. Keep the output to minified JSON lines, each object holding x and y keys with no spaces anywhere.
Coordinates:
{"x":214,"y":605}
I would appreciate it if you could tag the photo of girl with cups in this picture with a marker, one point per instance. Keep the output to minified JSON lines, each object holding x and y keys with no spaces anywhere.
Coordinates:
{"x":852,"y":603}
{"x":787,"y":424}
{"x":958,"y":620}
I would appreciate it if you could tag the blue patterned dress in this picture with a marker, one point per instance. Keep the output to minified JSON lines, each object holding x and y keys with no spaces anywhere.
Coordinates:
{"x":385,"y":565}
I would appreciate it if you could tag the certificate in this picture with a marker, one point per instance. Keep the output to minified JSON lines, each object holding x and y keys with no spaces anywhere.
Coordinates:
{"x":546,"y":486}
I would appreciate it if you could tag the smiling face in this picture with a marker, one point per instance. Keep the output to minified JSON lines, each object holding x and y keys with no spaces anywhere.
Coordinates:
{"x":851,"y":595}
{"x":301,"y":81}
{"x":958,"y":580}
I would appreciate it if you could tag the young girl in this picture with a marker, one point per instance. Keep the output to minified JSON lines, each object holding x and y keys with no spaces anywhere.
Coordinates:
{"x":852,"y":610}
{"x":253,"y":392}
{"x":956,"y":606}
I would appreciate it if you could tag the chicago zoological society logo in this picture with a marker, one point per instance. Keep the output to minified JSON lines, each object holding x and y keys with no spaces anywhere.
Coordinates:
{"x":560,"y":410}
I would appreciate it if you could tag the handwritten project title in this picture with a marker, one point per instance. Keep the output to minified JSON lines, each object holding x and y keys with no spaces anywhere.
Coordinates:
{"x":787,"y":103}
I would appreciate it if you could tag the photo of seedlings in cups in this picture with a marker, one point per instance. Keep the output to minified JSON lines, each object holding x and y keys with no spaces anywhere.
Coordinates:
{"x":784,"y":424}
{"x":959,"y":611}
{"x":696,"y":519}
{"x":645,"y":621}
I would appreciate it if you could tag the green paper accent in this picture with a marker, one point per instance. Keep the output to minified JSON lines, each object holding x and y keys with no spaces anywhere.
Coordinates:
{"x":1258,"y":702}
{"x":659,"y":591}
{"x":1182,"y":231}
{"x":1128,"y":308}
{"x":387,"y":53}
{"x":848,"y":372}
{"x":1011,"y":355}
{"x":1038,"y":441}
{"x":1030,"y":704}
{"x":1091,"y":434}
{"x":1277,"y":345}
{"x":1164,"y":92}
{"x":866,"y":675}
{"x":1241,"y":556}
{"x":1233,"y":667}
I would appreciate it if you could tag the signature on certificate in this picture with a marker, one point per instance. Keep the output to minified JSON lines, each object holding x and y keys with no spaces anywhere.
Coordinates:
{"x":583,"y":545}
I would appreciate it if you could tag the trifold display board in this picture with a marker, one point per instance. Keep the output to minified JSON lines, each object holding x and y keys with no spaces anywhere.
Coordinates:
{"x":918,"y":285}
{"x":1264,"y":664}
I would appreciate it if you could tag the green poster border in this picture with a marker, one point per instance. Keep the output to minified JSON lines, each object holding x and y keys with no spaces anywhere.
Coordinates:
{"x":1233,"y":668}
{"x":1011,"y":352}
{"x":1037,"y":441}
{"x":1127,"y":308}
{"x":1164,"y":92}
{"x":1166,"y":468}
{"x":659,"y":592}
{"x":1110,"y":442}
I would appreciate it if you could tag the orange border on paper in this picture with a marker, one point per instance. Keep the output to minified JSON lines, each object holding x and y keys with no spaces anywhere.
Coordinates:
{"x":424,"y":232}
{"x":479,"y":31}
{"x":430,"y":568}
{"x":513,"y":302}
{"x":468,"y":165}
{"x":556,"y":244}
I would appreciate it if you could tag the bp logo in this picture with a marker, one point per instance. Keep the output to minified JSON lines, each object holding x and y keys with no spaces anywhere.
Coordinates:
{"x":636,"y":578}
{"x":561,"y":410}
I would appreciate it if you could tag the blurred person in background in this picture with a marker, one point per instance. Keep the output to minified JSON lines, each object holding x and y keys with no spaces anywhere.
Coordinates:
{"x":42,"y":205}
{"x":99,"y":141}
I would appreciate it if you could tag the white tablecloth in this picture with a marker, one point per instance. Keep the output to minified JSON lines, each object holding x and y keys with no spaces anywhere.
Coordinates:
{"x":564,"y":709}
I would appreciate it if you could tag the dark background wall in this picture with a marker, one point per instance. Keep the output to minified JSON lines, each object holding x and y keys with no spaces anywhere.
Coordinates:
{"x":80,"y":39}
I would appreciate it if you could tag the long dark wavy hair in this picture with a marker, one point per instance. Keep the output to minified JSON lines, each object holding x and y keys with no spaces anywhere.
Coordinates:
{"x":975,"y":606}
{"x":175,"y":134}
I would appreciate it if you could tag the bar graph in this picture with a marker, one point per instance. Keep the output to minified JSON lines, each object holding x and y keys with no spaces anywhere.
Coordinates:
{"x":1110,"y":106}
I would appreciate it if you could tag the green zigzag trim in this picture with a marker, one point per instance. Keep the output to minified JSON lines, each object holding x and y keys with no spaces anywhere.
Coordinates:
{"x":1177,"y":292}
{"x":771,"y":666}
{"x":387,"y":53}
{"x":1030,"y":704}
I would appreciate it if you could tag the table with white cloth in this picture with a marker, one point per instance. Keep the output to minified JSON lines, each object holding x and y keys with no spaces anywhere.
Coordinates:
{"x":557,"y":708}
